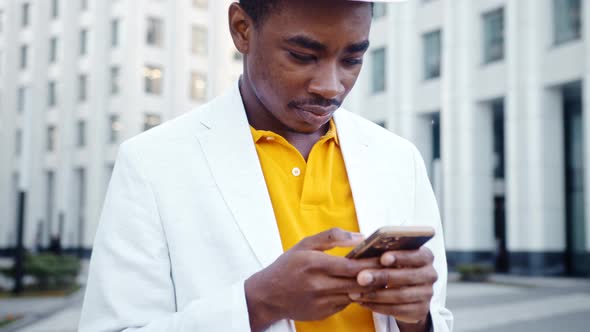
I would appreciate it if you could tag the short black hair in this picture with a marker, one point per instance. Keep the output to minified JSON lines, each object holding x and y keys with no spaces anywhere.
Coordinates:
{"x":259,"y":9}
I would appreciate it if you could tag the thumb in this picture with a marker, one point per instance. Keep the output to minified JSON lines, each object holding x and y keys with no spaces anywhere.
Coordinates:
{"x":329,"y":239}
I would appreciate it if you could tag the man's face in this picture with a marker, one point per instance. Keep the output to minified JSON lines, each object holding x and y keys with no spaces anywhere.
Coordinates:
{"x":304,"y":58}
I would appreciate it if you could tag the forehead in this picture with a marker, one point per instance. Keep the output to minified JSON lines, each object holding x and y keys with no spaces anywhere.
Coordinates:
{"x":328,"y":21}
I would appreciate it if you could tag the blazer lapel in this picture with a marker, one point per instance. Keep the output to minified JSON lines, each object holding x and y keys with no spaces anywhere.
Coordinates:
{"x":360,"y":167}
{"x":227,"y":143}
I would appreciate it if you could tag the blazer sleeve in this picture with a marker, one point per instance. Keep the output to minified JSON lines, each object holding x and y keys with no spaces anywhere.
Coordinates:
{"x":426,"y":213}
{"x":130,"y":287}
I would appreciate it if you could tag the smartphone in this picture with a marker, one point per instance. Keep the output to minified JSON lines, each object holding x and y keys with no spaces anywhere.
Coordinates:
{"x":390,"y":238}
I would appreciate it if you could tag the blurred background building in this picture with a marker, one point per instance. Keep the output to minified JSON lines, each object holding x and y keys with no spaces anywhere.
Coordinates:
{"x":493,"y":92}
{"x":93,"y":73}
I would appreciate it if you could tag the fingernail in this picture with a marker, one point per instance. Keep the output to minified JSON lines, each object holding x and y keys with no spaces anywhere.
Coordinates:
{"x":388,"y":259}
{"x":366,"y":279}
{"x":354,"y":296}
{"x":357,"y":236}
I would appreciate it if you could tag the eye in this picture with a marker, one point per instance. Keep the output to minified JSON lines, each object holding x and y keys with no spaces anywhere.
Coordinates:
{"x":302,"y":57}
{"x":353,"y":61}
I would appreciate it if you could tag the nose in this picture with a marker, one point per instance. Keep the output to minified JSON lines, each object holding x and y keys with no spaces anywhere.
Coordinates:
{"x":327,"y":82}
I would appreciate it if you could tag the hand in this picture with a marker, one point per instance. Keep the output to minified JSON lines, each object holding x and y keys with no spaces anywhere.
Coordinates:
{"x":403,"y":289}
{"x":305,"y":283}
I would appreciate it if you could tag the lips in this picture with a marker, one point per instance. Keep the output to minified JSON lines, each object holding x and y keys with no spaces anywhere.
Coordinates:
{"x":318,"y":110}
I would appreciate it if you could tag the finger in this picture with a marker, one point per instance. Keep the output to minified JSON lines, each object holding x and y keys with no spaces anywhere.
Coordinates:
{"x":329,"y":239}
{"x":395,"y":278}
{"x":405,"y":295}
{"x":345,"y":267}
{"x":408,"y":258}
{"x":408,"y":313}
{"x":344,"y":286}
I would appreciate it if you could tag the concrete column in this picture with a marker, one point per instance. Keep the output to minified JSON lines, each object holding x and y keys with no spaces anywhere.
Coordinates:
{"x":466,"y":129}
{"x":534,"y":173}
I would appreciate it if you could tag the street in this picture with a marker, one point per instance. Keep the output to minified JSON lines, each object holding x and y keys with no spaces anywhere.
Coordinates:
{"x":508,"y":304}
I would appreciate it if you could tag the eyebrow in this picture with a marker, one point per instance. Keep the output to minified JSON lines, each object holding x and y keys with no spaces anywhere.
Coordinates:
{"x":314,"y":45}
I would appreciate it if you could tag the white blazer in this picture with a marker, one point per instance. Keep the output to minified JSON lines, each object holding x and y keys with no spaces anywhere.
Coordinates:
{"x":188,"y":218}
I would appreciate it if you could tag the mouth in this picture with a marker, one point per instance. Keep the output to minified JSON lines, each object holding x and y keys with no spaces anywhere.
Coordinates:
{"x":318,"y":111}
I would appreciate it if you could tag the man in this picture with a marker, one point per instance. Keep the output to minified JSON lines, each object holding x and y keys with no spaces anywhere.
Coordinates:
{"x":220,"y":220}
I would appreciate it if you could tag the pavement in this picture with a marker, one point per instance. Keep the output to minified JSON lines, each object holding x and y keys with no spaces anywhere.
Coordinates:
{"x":505,"y":303}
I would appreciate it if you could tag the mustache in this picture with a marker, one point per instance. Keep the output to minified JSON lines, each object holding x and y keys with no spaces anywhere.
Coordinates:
{"x":322,"y":102}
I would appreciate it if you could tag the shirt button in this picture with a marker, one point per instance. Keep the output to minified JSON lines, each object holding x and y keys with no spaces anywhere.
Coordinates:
{"x":296,"y":171}
{"x":270,"y":138}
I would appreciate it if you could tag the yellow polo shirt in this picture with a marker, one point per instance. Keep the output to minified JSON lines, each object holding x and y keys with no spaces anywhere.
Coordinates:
{"x":308,"y":198}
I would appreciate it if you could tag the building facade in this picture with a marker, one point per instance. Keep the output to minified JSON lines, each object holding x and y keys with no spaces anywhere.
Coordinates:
{"x":80,"y":77}
{"x":495,"y":93}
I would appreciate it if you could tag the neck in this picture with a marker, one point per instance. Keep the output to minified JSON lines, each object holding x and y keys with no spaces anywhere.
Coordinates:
{"x":261,"y":119}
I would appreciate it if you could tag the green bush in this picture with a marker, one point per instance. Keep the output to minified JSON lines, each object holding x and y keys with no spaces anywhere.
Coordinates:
{"x":474,"y":271}
{"x":50,"y":271}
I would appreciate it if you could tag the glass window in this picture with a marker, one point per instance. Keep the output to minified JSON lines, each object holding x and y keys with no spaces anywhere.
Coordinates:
{"x":115,"y":78}
{"x":24,"y":55}
{"x":51,"y":136}
{"x":154,"y":32}
{"x":18,"y":142}
{"x":151,"y":120}
{"x":20,"y":99}
{"x":114,"y":128}
{"x":378,"y":71}
{"x":493,"y":29}
{"x":199,"y":40}
{"x":81,"y":134}
{"x":153,"y":80}
{"x":52,"y":94}
{"x":25,"y":12}
{"x":53,"y":50}
{"x":200,"y":3}
{"x":82,"y":87}
{"x":432,"y":54}
{"x":115,"y":33}
{"x":379,"y":10}
{"x":567,"y":20}
{"x":54,"y":8}
{"x":83,"y":41}
{"x":198,"y":87}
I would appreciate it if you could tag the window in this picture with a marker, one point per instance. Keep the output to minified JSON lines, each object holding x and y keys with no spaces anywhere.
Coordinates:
{"x":54,"y":8}
{"x":81,"y":134}
{"x":151,"y":120}
{"x":114,"y":128}
{"x":200,"y":4}
{"x":567,"y":17}
{"x":115,"y":77}
{"x":432,"y":54}
{"x":378,"y":70}
{"x":199,"y":40}
{"x":53,"y":50}
{"x":51,"y":135}
{"x":115,"y":33}
{"x":379,"y":10}
{"x":82,"y":87}
{"x":18,"y":142}
{"x":198,"y":87}
{"x":20,"y":99}
{"x":52,"y":94}
{"x":24,"y":54}
{"x":154,"y":36}
{"x":153,"y":80}
{"x":493,"y":29}
{"x":25,"y":12}
{"x":83,"y":41}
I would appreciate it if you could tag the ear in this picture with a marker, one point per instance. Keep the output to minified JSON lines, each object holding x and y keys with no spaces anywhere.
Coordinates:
{"x":240,"y":27}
